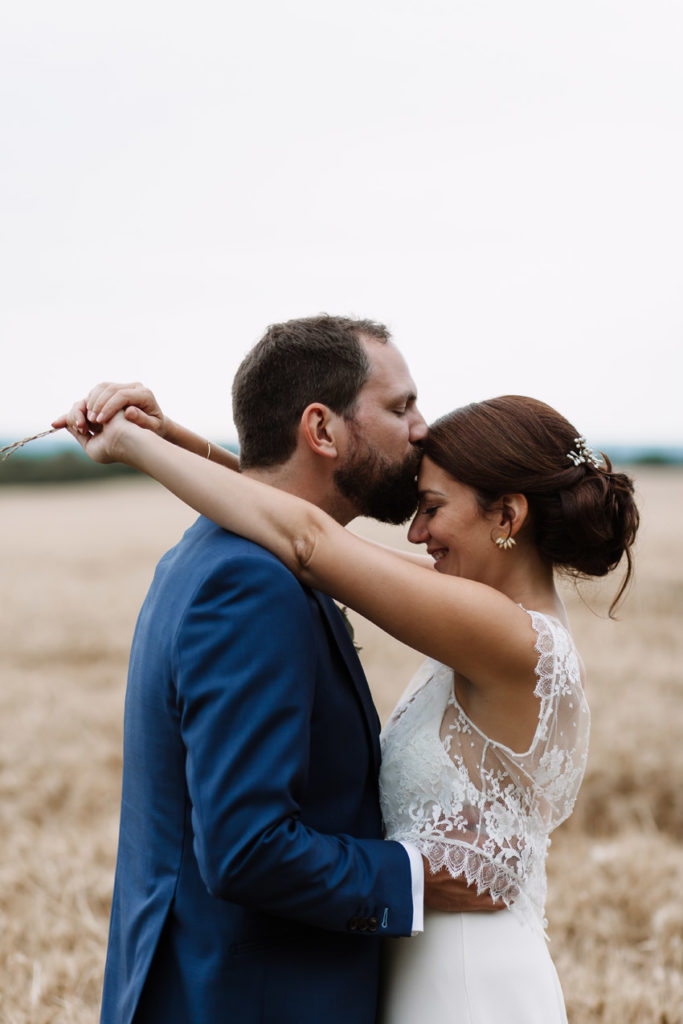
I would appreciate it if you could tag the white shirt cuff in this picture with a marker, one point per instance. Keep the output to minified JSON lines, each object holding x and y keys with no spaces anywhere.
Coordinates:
{"x":418,"y":881}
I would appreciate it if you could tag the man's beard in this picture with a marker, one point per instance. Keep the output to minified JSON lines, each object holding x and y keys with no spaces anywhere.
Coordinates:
{"x":379,"y":488}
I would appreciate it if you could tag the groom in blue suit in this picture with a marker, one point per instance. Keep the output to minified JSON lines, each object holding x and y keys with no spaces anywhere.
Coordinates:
{"x":252,"y":882}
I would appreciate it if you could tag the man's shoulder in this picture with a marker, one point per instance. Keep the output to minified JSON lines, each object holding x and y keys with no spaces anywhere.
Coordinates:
{"x":210,"y":566}
{"x":206,"y":548}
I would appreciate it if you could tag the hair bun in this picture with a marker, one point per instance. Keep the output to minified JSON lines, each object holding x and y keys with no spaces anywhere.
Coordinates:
{"x":596,"y":526}
{"x":582,"y":515}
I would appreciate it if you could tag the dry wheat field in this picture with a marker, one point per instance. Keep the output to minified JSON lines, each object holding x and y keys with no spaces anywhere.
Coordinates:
{"x":76,"y":562}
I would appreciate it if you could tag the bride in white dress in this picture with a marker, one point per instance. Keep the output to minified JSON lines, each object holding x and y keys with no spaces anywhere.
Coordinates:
{"x":484,"y":756}
{"x":484,"y":811}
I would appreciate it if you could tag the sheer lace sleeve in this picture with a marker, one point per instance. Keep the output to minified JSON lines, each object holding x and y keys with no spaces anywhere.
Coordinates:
{"x":474,"y":806}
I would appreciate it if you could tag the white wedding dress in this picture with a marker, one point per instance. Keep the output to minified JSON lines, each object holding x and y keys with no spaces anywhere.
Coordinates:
{"x":484,"y":812}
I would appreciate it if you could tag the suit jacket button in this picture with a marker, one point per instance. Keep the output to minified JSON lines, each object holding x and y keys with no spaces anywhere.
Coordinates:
{"x":373,"y":924}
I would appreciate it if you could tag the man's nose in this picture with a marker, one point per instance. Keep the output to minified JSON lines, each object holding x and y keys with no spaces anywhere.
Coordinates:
{"x":418,"y":428}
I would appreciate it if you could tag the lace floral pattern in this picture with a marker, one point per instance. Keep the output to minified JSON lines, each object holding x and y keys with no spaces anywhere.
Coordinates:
{"x":474,"y":806}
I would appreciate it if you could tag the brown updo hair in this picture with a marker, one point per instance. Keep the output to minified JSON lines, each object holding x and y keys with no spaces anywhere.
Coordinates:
{"x":583,"y":519}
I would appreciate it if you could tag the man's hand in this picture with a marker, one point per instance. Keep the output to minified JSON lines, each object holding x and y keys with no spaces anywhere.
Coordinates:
{"x":443,"y":892}
{"x":103,"y":402}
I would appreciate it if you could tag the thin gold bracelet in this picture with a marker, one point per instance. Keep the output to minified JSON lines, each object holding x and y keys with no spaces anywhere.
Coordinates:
{"x":208,"y":454}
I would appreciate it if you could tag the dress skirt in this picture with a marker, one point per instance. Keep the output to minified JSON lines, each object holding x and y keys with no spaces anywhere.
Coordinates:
{"x":471,"y":969}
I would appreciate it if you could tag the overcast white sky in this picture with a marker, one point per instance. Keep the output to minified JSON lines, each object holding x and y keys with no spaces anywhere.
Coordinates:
{"x":498,"y":181}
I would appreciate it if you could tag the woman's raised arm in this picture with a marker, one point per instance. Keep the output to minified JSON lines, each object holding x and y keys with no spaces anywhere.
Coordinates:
{"x":467,"y":625}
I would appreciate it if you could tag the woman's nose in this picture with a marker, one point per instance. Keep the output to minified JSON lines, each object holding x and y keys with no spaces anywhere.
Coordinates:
{"x":418,"y":533}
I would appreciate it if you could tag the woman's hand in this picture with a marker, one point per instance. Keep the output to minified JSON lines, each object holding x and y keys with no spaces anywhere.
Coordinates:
{"x":139,"y":406}
{"x":101,"y":443}
{"x":103,"y":402}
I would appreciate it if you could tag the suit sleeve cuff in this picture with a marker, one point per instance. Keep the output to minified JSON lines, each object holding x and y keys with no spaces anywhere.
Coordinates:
{"x":418,"y":883}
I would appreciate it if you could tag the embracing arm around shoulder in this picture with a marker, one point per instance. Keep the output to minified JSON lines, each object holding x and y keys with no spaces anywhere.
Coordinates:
{"x":139,"y":406}
{"x":473,"y":628}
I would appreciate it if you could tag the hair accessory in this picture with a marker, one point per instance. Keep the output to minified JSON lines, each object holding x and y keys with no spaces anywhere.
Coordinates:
{"x":584,"y":454}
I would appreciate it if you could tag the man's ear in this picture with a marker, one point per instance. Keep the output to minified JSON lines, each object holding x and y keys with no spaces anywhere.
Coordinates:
{"x":512,"y":512}
{"x":319,"y":426}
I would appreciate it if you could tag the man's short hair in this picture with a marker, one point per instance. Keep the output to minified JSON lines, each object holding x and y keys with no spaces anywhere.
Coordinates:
{"x":315,"y":359}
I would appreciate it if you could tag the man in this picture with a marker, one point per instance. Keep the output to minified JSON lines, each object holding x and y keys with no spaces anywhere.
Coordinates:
{"x":252,"y":883}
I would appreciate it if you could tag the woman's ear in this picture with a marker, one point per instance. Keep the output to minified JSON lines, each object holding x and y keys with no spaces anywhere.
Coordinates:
{"x":319,"y":427}
{"x":513,"y":512}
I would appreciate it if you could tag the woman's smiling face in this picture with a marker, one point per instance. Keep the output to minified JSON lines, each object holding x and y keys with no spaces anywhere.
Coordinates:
{"x":450,"y":521}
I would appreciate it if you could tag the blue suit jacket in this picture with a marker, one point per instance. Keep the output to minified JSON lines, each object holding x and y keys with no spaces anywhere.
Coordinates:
{"x":252,"y":883}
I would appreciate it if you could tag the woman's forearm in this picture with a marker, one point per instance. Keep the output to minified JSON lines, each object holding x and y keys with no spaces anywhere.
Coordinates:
{"x":181,"y":436}
{"x":279,"y":521}
{"x":139,"y":405}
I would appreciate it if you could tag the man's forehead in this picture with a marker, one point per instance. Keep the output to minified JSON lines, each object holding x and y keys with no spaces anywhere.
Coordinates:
{"x":388,"y":368}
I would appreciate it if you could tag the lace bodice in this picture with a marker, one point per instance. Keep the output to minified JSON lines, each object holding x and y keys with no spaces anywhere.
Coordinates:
{"x":473,"y":805}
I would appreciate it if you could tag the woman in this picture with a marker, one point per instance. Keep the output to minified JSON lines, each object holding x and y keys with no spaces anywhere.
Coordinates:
{"x":484,"y":756}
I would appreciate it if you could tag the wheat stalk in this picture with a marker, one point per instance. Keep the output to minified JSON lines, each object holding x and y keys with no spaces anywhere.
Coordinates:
{"x":10,"y":449}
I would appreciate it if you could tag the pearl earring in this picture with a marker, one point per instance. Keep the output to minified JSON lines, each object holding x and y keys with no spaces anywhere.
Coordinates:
{"x":505,"y":543}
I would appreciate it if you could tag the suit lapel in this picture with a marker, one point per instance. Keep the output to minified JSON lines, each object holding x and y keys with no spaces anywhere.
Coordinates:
{"x":348,"y":652}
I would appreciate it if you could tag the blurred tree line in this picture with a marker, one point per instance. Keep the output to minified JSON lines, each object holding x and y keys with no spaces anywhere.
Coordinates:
{"x":70,"y":466}
{"x":61,"y":467}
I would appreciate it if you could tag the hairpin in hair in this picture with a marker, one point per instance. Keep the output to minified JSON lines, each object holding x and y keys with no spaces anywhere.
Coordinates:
{"x":583,"y":454}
